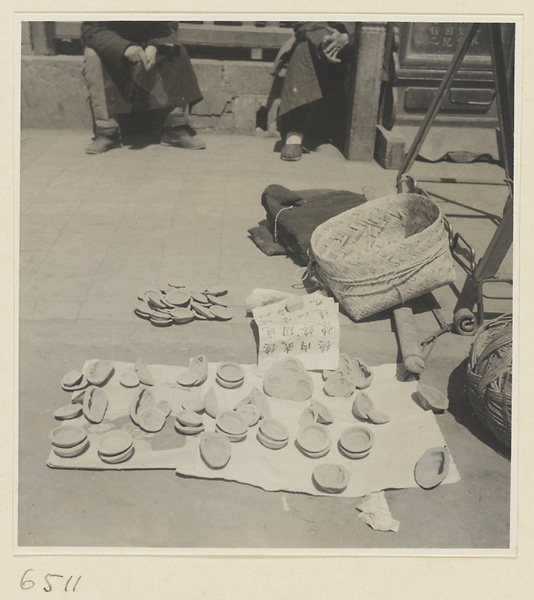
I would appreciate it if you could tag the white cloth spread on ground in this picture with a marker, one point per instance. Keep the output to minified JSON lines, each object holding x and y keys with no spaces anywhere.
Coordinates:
{"x":390,"y":465}
{"x":310,"y":334}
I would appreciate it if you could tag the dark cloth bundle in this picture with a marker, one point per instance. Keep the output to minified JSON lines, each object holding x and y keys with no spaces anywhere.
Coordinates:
{"x":292,"y":217}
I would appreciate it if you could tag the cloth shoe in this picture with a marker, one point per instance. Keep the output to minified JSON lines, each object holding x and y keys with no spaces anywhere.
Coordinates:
{"x":291,"y":152}
{"x":102,"y":143}
{"x":181,"y":137}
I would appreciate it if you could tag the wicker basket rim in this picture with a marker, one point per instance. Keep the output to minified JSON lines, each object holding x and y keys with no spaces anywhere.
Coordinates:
{"x":435,"y":231}
{"x":323,"y":228}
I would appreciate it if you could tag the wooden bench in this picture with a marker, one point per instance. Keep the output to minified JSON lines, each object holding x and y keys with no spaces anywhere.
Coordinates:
{"x":256,"y":40}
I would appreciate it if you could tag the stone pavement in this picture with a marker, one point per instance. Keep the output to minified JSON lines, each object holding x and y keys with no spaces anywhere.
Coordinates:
{"x":95,"y":229}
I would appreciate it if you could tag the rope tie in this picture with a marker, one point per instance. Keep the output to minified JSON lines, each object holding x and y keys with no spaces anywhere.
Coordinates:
{"x":275,"y":233}
{"x":376,"y":286}
{"x":310,"y":273}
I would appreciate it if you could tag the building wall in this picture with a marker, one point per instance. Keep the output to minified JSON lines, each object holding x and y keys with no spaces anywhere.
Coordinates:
{"x":239,"y":97}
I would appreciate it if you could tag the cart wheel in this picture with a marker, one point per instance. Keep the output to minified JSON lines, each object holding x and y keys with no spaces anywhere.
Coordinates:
{"x":465,"y":322}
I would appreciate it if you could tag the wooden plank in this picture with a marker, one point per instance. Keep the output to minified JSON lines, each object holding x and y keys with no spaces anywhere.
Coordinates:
{"x":244,"y":36}
{"x":206,"y":34}
{"x":365,"y":83}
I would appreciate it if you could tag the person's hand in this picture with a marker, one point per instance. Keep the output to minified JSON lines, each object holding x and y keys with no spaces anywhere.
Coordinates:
{"x":150,"y":53}
{"x":333,"y":43}
{"x":136,"y":54}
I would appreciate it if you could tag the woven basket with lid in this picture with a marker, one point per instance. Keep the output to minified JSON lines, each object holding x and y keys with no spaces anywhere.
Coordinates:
{"x":489,"y":377}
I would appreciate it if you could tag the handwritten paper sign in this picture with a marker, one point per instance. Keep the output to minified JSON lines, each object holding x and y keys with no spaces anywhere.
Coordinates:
{"x":310,"y":333}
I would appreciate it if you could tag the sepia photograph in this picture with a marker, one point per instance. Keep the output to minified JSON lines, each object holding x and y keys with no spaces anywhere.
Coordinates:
{"x":266,"y":285}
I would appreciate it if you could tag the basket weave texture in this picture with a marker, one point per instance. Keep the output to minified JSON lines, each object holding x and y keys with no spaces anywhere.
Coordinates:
{"x":489,"y":377}
{"x":383,"y":253}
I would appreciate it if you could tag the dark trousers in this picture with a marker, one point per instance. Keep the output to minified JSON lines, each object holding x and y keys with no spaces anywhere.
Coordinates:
{"x":104,"y":122}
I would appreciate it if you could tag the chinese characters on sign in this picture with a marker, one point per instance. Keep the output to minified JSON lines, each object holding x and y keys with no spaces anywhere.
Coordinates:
{"x":310,"y":333}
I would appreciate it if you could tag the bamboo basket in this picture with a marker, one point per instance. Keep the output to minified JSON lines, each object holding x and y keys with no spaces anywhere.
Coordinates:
{"x":489,"y":377}
{"x":383,"y":253}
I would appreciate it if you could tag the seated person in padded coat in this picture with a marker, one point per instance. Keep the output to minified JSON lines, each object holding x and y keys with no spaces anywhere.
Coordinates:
{"x":138,"y":68}
{"x":316,"y":66}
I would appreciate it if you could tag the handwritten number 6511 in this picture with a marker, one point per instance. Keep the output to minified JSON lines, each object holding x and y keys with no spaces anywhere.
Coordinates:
{"x":26,"y":583}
